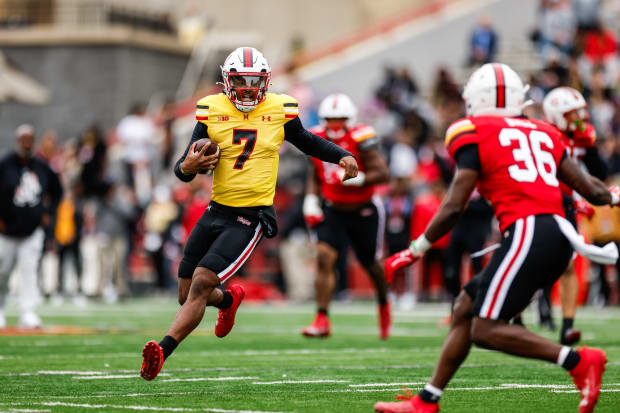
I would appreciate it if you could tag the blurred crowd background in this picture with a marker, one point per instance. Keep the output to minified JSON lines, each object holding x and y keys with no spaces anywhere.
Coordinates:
{"x":120,"y":229}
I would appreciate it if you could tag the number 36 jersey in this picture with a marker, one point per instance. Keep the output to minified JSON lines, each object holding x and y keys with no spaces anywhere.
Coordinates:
{"x":518,"y":165}
{"x":249,"y":142}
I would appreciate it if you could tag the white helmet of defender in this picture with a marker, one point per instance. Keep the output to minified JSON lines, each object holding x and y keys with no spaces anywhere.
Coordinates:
{"x":338,"y":106}
{"x":559,"y":102}
{"x":495,"y":90}
{"x":246,"y":76}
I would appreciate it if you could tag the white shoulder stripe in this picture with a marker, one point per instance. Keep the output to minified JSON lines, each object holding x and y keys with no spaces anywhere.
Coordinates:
{"x":457,"y":125}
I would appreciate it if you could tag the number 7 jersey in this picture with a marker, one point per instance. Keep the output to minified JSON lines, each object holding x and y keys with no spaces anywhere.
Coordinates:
{"x":519,"y":159}
{"x":249,"y":142}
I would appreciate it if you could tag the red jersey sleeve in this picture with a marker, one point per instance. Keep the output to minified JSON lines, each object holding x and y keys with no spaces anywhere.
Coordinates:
{"x":460,"y":133}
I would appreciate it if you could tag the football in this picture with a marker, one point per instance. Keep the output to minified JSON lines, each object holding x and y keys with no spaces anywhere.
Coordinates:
{"x":200,"y":143}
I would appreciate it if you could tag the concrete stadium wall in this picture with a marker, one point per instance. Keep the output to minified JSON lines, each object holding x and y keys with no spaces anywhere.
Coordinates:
{"x":88,"y":84}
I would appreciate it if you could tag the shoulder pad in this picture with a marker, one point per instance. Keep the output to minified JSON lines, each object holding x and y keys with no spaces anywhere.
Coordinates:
{"x":459,"y":134}
{"x":362,"y":133}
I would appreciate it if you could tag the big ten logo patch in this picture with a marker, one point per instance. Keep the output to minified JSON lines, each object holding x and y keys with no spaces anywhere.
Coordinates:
{"x":223,"y":118}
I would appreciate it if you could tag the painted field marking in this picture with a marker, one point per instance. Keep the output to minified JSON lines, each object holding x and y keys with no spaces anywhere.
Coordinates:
{"x":388,"y":384}
{"x":114,"y":376}
{"x":212,"y":379}
{"x":300,"y":382}
{"x":154,"y":408}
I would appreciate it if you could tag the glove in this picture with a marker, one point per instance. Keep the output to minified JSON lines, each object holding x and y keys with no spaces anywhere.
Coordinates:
{"x":583,"y":207}
{"x":585,"y":133}
{"x":313,"y":214}
{"x":405,"y":257}
{"x":615,"y":195}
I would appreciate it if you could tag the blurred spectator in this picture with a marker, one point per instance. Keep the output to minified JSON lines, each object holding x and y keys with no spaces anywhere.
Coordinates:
{"x":92,"y":155}
{"x":600,"y":50}
{"x":159,"y":217}
{"x":67,"y":228}
{"x":398,"y":209}
{"x":557,"y":29}
{"x":29,"y":194}
{"x":115,"y":213}
{"x":136,"y":133}
{"x":587,"y":12}
{"x":483,"y":42}
{"x":167,"y":145}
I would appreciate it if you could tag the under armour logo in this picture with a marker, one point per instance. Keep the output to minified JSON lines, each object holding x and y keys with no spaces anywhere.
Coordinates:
{"x":246,"y":116}
{"x":268,"y":118}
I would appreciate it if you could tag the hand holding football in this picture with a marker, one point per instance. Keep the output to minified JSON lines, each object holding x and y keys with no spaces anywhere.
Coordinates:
{"x":211,"y":149}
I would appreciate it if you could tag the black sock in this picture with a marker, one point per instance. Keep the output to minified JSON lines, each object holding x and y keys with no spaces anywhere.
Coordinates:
{"x":226,"y":302}
{"x":322,"y":311}
{"x":168,"y":344}
{"x":518,"y":321}
{"x":571,"y":360}
{"x":567,"y":324}
{"x":382,"y":300}
{"x":428,"y":397}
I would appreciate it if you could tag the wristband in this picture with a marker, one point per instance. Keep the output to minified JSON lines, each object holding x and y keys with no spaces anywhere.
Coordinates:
{"x":420,"y":245}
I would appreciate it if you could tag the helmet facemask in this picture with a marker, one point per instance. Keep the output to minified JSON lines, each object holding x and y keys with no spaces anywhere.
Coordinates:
{"x":246,"y":89}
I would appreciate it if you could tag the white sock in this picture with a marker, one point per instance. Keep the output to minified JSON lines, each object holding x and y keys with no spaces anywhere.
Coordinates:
{"x":435,"y":391}
{"x":562,"y":356}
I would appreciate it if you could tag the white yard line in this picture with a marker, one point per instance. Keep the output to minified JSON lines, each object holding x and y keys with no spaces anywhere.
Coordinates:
{"x":116,"y":376}
{"x":153,"y":408}
{"x":212,"y":379}
{"x":300,"y":382}
{"x":416,"y":383}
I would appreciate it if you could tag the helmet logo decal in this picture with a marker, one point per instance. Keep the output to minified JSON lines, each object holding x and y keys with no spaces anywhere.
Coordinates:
{"x":247,"y":57}
{"x":500,"y":100}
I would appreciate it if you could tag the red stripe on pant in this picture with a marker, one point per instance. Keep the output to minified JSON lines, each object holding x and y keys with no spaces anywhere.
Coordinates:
{"x":512,"y":261}
{"x":243,"y":257}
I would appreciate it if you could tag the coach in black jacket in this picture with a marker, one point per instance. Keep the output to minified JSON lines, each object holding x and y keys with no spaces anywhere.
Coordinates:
{"x":29,"y":194}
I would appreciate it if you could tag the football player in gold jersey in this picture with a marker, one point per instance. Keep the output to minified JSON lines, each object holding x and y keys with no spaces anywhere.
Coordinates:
{"x":249,"y":125}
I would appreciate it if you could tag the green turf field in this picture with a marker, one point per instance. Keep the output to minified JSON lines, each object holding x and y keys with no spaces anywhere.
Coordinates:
{"x":265,"y":365}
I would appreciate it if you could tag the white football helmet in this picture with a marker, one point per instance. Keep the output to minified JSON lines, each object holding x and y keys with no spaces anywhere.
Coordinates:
{"x":559,"y":102}
{"x":246,"y":75}
{"x":338,"y":106}
{"x":495,"y":90}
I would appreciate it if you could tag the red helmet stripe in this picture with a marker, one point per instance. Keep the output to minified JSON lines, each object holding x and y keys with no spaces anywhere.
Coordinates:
{"x":247,"y":57}
{"x":500,"y":101}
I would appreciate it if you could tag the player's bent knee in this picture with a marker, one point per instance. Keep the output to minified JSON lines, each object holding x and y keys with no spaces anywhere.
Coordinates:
{"x":184,"y":285}
{"x":481,"y":333}
{"x":462,"y":308}
{"x":203,"y":282}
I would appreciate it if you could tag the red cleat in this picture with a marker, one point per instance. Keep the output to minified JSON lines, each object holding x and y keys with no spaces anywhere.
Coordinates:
{"x":588,"y":375}
{"x":407,"y":405}
{"x":396,"y":261}
{"x":226,"y":318}
{"x":570,"y":337}
{"x":385,"y":320}
{"x":320,"y":327}
{"x":152,"y":360}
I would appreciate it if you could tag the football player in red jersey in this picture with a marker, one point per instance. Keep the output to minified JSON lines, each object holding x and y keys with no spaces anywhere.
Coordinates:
{"x":516,"y":163}
{"x":566,"y":108}
{"x":339,"y":213}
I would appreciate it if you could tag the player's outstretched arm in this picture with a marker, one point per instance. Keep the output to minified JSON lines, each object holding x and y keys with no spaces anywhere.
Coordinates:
{"x":453,"y":204}
{"x":317,"y":147}
{"x":192,"y":162}
{"x":591,"y":188}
